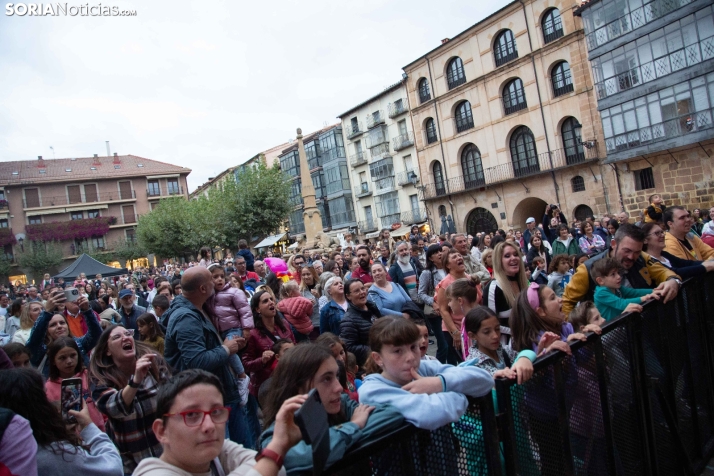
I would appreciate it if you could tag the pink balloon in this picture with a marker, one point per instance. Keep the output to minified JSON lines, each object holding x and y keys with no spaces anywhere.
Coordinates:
{"x":276,"y":265}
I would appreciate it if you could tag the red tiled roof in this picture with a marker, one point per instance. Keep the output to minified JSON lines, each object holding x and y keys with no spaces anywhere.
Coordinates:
{"x":84,"y":168}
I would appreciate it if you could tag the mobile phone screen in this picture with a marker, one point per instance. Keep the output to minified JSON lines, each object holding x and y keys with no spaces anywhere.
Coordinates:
{"x":71,"y":397}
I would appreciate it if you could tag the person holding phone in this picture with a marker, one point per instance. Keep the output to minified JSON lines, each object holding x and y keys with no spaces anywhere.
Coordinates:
{"x":126,"y":375}
{"x":49,"y":327}
{"x":60,"y":451}
{"x":307,"y":367}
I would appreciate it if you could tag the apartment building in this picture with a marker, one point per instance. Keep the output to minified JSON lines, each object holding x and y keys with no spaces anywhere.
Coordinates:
{"x":86,"y":203}
{"x":383,"y":167}
{"x":326,"y":158}
{"x":506,"y":122}
{"x":653,"y":67}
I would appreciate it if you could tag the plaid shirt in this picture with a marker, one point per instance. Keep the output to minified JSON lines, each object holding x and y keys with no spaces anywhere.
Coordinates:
{"x":130,"y":427}
{"x":485,"y":362}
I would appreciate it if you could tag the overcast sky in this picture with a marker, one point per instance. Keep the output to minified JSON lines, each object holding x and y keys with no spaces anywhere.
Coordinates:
{"x":205,"y":85}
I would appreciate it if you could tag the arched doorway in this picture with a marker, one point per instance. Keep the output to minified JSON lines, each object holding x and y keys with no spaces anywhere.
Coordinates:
{"x":582,"y":212}
{"x":529,"y":207}
{"x":480,"y":220}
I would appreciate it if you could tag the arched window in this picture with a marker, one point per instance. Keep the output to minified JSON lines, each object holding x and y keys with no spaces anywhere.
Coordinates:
{"x":424,"y":92}
{"x":504,"y":48}
{"x":455,"y":73}
{"x":552,"y":25}
{"x":561,"y":78}
{"x":463,"y":116}
{"x":442,"y":210}
{"x":572,"y":141}
{"x":431,"y":136}
{"x":523,"y":152}
{"x":578,"y":184}
{"x":472,"y":167}
{"x":582,"y":212}
{"x":438,"y":180}
{"x":514,"y":96}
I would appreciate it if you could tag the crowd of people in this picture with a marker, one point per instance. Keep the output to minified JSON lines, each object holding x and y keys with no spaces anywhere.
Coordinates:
{"x":244,"y":340}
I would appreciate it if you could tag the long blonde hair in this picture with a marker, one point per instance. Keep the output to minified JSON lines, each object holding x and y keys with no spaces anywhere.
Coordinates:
{"x":25,"y":321}
{"x":500,"y":276}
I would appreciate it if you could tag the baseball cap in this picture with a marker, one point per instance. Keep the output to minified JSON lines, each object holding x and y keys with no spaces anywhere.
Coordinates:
{"x":530,"y":220}
{"x":125,"y":292}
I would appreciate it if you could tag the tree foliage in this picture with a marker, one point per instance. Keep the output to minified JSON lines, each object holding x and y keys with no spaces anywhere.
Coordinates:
{"x":256,"y":203}
{"x":127,"y":250}
{"x":5,"y":266}
{"x":41,"y":257}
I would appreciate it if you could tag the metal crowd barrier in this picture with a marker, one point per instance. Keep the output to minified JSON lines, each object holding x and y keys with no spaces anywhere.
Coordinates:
{"x":636,"y":400}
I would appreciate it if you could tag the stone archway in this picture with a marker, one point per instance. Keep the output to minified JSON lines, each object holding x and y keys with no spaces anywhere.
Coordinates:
{"x":528,"y":207}
{"x":480,"y":220}
{"x":582,"y":212}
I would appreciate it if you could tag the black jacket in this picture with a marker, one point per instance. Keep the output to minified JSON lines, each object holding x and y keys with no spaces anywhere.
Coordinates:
{"x":354,"y":330}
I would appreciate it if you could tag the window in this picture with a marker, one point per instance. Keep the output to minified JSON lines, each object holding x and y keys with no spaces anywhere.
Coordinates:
{"x":442,"y":211}
{"x":4,"y":223}
{"x":430,"y":131}
{"x":504,"y":48}
{"x":578,"y":184}
{"x":290,"y":164}
{"x":644,"y":179}
{"x":438,"y":179}
{"x":561,"y":78}
{"x":408,"y":163}
{"x":127,"y":212}
{"x":472,"y":167}
{"x":130,"y":234}
{"x":331,"y":145}
{"x":353,"y":128}
{"x":424,"y":92}
{"x":93,"y":214}
{"x":80,"y":246}
{"x":523,"y":152}
{"x":172,"y":186}
{"x":388,"y":208}
{"x":455,"y":73}
{"x":514,"y":96}
{"x":98,"y":242}
{"x":154,"y":189}
{"x":581,"y":212}
{"x":572,"y":141}
{"x":74,"y":194}
{"x":34,"y":220}
{"x":125,"y":190}
{"x":382,"y":169}
{"x":464,"y":118}
{"x":76,"y":216}
{"x":90,"y":193}
{"x":552,"y":25}
{"x":32,"y":197}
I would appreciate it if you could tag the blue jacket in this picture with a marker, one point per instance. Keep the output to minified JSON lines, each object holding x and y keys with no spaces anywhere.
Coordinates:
{"x":249,"y":258}
{"x":192,"y":342}
{"x":330,"y":317}
{"x":129,"y":321}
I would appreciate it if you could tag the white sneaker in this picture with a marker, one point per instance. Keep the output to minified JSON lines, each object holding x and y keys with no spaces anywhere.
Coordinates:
{"x":243,"y":384}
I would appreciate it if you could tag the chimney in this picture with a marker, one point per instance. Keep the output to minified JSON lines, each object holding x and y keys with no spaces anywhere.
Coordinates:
{"x":445,"y":40}
{"x":40,"y":162}
{"x":117,"y":160}
{"x":96,"y":160}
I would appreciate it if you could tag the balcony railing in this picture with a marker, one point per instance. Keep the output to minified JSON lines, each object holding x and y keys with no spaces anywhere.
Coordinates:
{"x":677,"y":127}
{"x":568,"y":88}
{"x":646,"y":72}
{"x":463,"y":124}
{"x":389,"y":220}
{"x":367,"y":225}
{"x":515,"y":108}
{"x":358,"y":159}
{"x":408,"y":177}
{"x":380,"y":152}
{"x":414,"y":216}
{"x":65,"y":200}
{"x":353,"y":130}
{"x":553,"y":35}
{"x":545,"y":162}
{"x":363,"y":190}
{"x":403,"y":141}
{"x":375,"y":119}
{"x":384,"y":185}
{"x":506,"y":57}
{"x":398,"y":108}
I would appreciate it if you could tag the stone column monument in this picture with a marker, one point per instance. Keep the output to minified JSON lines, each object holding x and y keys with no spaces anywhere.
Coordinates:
{"x":310,"y":215}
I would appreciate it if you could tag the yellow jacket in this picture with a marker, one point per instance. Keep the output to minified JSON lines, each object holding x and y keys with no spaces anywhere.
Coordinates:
{"x":645,"y":273}
{"x":700,"y":250}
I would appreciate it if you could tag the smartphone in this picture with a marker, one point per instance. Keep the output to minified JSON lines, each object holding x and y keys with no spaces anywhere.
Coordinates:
{"x":311,"y":418}
{"x":70,"y":397}
{"x":71,"y":294}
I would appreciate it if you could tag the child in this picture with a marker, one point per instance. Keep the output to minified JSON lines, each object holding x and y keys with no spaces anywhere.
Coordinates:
{"x":231,"y":314}
{"x":487,"y":352}
{"x":577,"y":260}
{"x":65,"y":362}
{"x":538,"y":271}
{"x":424,"y":340}
{"x":334,"y":344}
{"x":611,"y":298}
{"x":464,"y":294}
{"x":429,"y":394}
{"x":18,"y":354}
{"x":297,"y":310}
{"x":160,"y":305}
{"x":654,"y":212}
{"x":280,"y":347}
{"x":487,"y":260}
{"x":560,"y":274}
{"x":585,"y":313}
{"x":150,"y":332}
{"x":353,"y":369}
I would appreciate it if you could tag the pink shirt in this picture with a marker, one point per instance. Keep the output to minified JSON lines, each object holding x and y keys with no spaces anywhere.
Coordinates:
{"x":53,"y":389}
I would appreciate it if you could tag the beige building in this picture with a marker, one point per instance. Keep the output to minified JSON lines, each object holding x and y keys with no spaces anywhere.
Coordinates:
{"x":382,"y":162}
{"x":87,"y":203}
{"x":506,"y":122}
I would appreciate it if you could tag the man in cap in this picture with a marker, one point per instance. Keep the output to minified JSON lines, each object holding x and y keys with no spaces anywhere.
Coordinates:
{"x":129,"y":311}
{"x":530,"y":230}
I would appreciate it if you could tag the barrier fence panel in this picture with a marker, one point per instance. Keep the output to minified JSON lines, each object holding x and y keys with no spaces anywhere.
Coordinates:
{"x":636,"y":400}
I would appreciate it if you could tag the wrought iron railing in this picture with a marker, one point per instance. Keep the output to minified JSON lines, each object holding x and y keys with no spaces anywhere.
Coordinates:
{"x":66,"y":200}
{"x":384,"y":185}
{"x":403,"y":141}
{"x":457,"y":81}
{"x":363,"y":190}
{"x":676,"y":127}
{"x":375,"y":119}
{"x":353,"y":130}
{"x":515,"y":107}
{"x":380,"y":151}
{"x":408,"y":177}
{"x":414,"y":216}
{"x":358,"y":159}
{"x":646,"y":72}
{"x":554,"y":35}
{"x":545,"y":162}
{"x":504,"y":56}
{"x":568,"y":88}
{"x":389,"y":220}
{"x":464,"y":123}
{"x":398,"y":108}
{"x":367,"y":225}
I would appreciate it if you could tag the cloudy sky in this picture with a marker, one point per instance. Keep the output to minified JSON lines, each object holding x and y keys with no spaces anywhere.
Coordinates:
{"x":205,"y":85}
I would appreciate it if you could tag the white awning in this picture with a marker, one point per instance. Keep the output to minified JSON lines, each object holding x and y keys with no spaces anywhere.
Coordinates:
{"x":401,"y":231}
{"x":270,"y":241}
